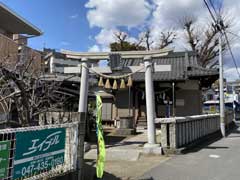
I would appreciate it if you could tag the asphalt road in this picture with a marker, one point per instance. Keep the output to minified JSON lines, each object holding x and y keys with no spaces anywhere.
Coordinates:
{"x":217,"y":161}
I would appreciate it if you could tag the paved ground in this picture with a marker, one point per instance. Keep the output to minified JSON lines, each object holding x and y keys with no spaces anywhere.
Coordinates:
{"x":217,"y":161}
{"x":123,"y":157}
{"x":125,"y":148}
{"x":124,"y":170}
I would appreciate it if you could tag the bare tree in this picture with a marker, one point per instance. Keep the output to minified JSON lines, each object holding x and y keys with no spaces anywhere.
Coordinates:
{"x":144,"y":42}
{"x":167,"y":38}
{"x":121,"y":38}
{"x":25,"y":91}
{"x":146,"y":39}
{"x":123,"y":44}
{"x":203,"y":41}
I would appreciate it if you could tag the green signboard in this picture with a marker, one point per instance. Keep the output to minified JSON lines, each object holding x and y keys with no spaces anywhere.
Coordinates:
{"x":38,"y":151}
{"x":4,"y":158}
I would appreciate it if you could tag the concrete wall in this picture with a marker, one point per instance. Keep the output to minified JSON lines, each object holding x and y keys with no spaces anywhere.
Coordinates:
{"x":58,"y":117}
{"x":188,"y":102}
{"x":5,"y":33}
{"x":20,"y":39}
{"x":57,"y":65}
{"x":188,"y":98}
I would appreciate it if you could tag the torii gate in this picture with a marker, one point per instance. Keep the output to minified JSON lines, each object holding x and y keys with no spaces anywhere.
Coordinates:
{"x":149,"y":90}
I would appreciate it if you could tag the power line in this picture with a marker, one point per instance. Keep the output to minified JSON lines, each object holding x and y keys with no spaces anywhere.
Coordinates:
{"x":231,"y":52}
{"x":232,"y":33}
{"x":222,"y":29}
{"x":221,"y":83}
{"x":213,"y":7}
{"x":211,"y":13}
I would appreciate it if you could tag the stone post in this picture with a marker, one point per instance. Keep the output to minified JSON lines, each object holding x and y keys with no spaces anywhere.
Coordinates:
{"x":164,"y":135}
{"x":173,"y":136}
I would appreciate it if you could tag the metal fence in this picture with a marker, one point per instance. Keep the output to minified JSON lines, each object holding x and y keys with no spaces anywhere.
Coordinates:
{"x":68,"y":164}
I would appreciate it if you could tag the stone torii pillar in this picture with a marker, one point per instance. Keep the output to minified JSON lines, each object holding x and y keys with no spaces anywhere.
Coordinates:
{"x":83,"y":94}
{"x":150,"y":104}
{"x":82,"y":109}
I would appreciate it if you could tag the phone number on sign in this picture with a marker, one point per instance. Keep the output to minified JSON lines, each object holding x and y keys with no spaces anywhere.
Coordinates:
{"x":42,"y":165}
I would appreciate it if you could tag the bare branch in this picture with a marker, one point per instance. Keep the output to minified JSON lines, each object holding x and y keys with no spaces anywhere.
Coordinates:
{"x":205,"y":41}
{"x":166,"y":39}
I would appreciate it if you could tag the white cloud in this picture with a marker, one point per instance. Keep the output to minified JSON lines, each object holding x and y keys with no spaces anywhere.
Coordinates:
{"x":105,"y":37}
{"x":168,"y":13}
{"x":74,"y":16}
{"x":94,"y":48}
{"x":231,"y":74}
{"x":113,"y":13}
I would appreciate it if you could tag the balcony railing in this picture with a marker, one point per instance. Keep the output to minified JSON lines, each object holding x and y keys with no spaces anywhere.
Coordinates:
{"x":8,"y":52}
{"x":11,"y":54}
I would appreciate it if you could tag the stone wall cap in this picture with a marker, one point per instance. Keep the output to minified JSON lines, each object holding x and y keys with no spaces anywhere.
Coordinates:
{"x":184,"y":119}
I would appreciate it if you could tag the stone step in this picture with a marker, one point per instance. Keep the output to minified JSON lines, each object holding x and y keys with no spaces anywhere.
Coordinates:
{"x":142,"y":120}
{"x":142,"y":125}
{"x":115,"y":154}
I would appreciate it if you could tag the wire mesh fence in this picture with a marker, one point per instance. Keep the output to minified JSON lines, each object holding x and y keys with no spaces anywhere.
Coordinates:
{"x":38,"y":152}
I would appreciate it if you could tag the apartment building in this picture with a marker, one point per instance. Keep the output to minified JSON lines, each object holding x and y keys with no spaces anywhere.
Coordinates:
{"x":14,"y":34}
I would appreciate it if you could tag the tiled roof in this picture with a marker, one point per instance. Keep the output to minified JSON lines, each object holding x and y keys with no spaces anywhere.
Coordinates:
{"x":184,"y":66}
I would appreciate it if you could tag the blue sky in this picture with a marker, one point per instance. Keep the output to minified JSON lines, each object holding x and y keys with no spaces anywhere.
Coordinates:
{"x":89,"y":25}
{"x":63,"y":22}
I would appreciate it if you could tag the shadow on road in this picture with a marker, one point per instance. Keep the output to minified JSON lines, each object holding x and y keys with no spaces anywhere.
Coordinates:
{"x":205,"y":143}
{"x":216,"y":147}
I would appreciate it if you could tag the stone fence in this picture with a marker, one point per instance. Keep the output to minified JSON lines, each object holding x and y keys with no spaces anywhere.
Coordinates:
{"x":179,"y":132}
{"x":58,"y":117}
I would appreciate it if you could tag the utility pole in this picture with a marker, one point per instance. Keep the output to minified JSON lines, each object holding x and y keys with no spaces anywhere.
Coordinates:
{"x":173,"y":99}
{"x":221,"y":88}
{"x":234,"y":99}
{"x":220,"y":27}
